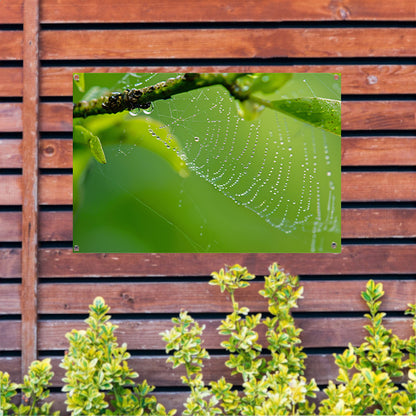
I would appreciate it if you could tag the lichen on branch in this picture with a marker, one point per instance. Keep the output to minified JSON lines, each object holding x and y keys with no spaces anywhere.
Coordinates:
{"x":130,"y":99}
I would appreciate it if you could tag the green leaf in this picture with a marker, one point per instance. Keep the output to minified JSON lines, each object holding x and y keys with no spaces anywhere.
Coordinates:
{"x":319,"y":112}
{"x":85,"y":136}
{"x":79,"y":81}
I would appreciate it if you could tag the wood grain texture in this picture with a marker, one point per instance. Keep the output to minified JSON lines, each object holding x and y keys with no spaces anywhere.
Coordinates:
{"x":355,"y":151}
{"x":356,"y":115}
{"x":378,"y":223}
{"x":356,"y":79}
{"x":10,"y":299}
{"x":378,"y":186}
{"x":11,"y":45}
{"x":103,"y":11}
{"x":13,"y":341}
{"x":198,"y":297}
{"x":229,"y":43}
{"x":378,"y":151}
{"x":53,"y":153}
{"x":356,"y":223}
{"x":354,"y":259}
{"x":355,"y":186}
{"x":361,"y":259}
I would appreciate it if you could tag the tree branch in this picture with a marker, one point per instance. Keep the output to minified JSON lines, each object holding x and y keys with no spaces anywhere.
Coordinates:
{"x":130,"y":99}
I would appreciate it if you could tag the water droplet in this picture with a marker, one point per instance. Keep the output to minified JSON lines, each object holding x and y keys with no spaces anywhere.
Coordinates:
{"x":197,"y":139}
{"x":134,"y":112}
{"x":149,"y":109}
{"x":328,"y":173}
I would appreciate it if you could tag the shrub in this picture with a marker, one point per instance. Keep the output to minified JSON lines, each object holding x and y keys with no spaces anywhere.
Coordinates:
{"x":98,"y":380}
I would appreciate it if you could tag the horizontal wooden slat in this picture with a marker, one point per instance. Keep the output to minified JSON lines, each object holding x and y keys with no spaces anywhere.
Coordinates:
{"x":385,"y":115}
{"x":11,"y":342}
{"x":361,"y":259}
{"x":220,"y":11}
{"x":10,"y":299}
{"x":103,"y":11}
{"x":355,"y":151}
{"x":53,"y":153}
{"x":356,"y":79}
{"x":354,"y":259}
{"x":355,"y":186}
{"x":378,"y":186}
{"x":11,"y":45}
{"x":356,"y":115}
{"x":378,"y":151}
{"x":202,"y":297}
{"x":356,"y":223}
{"x":229,"y":43}
{"x":378,"y":223}
{"x":53,"y":190}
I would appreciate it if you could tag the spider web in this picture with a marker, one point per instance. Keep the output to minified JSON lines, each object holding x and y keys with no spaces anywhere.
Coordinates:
{"x":283,"y":170}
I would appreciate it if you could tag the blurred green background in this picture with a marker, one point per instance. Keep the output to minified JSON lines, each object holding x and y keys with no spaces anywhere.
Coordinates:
{"x":147,"y":199}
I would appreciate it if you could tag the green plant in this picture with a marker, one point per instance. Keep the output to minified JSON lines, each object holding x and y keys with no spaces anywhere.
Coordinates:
{"x":34,"y":388}
{"x":367,"y":373}
{"x":276,"y":386}
{"x":98,"y":380}
{"x":270,"y":387}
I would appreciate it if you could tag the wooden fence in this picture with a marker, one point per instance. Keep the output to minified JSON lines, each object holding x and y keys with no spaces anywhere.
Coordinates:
{"x":45,"y":288}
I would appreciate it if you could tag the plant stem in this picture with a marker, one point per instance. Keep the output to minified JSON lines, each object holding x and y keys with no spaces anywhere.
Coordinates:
{"x":142,"y":98}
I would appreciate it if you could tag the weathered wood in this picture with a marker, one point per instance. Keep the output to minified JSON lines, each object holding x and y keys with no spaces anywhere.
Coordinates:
{"x":384,"y":115}
{"x":356,"y":151}
{"x":215,"y":11}
{"x":356,"y":79}
{"x":378,"y":186}
{"x":355,"y":186}
{"x":202,"y":297}
{"x":230,"y":43}
{"x":220,"y":11}
{"x":11,"y":45}
{"x":10,"y":299}
{"x":354,"y":259}
{"x":30,"y":182}
{"x":378,"y":151}
{"x":356,"y":115}
{"x":356,"y":223}
{"x":378,"y":223}
{"x":53,"y":153}
{"x":13,"y":341}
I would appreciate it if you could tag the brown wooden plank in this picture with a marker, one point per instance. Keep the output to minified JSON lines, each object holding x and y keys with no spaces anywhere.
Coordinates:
{"x":13,"y":340}
{"x":378,"y":223}
{"x":356,"y":151}
{"x":230,"y":43}
{"x":12,"y":365}
{"x":53,"y":153}
{"x":355,"y":186}
{"x":10,"y":299}
{"x":356,"y":79}
{"x":11,"y":80}
{"x":11,"y":45}
{"x":354,"y":259}
{"x":219,"y":11}
{"x":30,"y":179}
{"x":11,"y":117}
{"x":11,"y":11}
{"x":361,"y":259}
{"x":356,"y":115}
{"x":53,"y":190}
{"x":201,"y":11}
{"x":201,"y":297}
{"x":356,"y":223}
{"x":384,"y":115}
{"x":145,"y":334}
{"x":378,"y":151}
{"x":53,"y":226}
{"x":378,"y":186}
